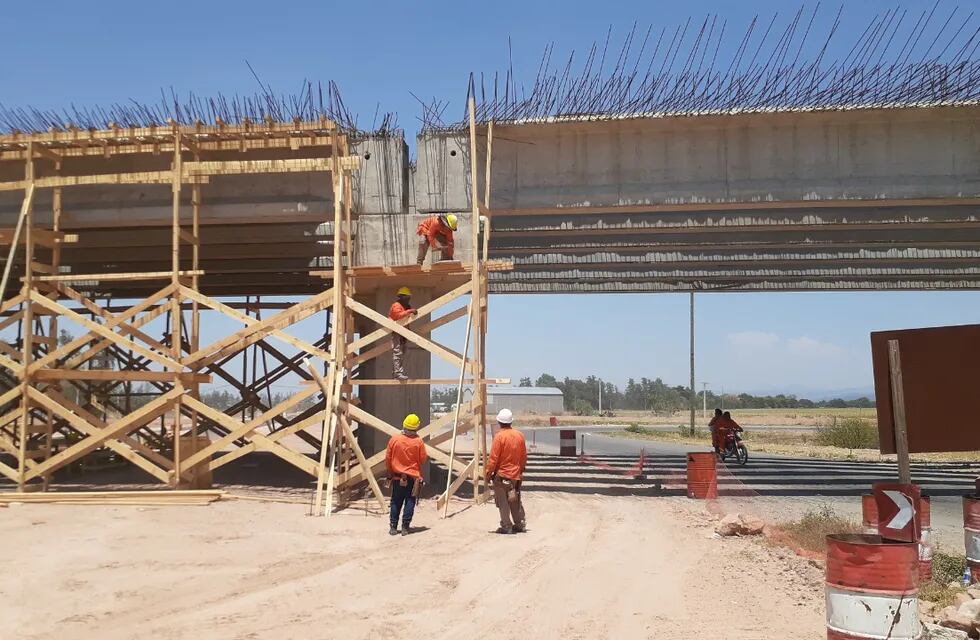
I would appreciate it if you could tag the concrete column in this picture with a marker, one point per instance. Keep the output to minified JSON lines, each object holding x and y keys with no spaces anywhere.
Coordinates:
{"x":393,"y":403}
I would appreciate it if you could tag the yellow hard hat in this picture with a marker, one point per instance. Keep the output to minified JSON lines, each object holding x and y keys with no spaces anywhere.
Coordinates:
{"x":405,"y":291}
{"x":412,"y":422}
{"x":451,"y":221}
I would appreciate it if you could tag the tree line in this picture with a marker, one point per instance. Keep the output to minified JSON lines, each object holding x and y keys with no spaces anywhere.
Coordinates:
{"x":582,"y":397}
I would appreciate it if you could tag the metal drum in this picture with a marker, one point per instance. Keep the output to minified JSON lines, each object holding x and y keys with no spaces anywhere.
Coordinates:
{"x":872,"y":588}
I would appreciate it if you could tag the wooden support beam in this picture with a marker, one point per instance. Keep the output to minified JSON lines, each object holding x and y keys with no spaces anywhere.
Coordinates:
{"x":105,"y":332}
{"x":154,"y":409}
{"x":94,"y":428}
{"x":298,"y":165}
{"x":256,"y":330}
{"x":385,"y":347}
{"x":239,"y":430}
{"x":413,"y":337}
{"x":109,"y":374}
{"x":114,"y":277}
{"x":25,"y":209}
{"x":44,"y":237}
{"x":424,"y":310}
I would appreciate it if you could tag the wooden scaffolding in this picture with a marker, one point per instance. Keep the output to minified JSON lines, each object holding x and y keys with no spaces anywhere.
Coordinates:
{"x":65,"y":398}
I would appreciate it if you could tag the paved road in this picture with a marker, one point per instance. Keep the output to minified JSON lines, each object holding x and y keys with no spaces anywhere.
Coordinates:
{"x":776,"y":487}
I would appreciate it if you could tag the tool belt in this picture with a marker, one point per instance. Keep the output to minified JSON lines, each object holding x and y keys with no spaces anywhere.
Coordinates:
{"x":513,"y":487}
{"x":403,"y":480}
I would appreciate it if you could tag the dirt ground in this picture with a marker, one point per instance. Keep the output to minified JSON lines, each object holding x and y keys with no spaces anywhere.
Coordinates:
{"x":589,"y":567}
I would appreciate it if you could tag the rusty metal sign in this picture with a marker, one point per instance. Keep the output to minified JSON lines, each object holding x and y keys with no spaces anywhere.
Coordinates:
{"x":940,"y":370}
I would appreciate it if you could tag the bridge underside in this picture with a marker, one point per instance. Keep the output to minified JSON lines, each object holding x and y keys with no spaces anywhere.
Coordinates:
{"x":867,"y":199}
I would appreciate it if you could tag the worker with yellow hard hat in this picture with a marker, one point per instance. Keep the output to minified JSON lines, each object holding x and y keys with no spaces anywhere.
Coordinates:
{"x":437,"y":232}
{"x":401,"y":308}
{"x":404,"y":458}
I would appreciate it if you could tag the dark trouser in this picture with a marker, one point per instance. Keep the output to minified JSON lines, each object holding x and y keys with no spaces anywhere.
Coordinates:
{"x":511,"y":511}
{"x":402,"y":495}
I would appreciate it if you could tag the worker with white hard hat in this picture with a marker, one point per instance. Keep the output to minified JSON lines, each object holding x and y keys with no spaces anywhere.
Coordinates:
{"x":400,"y":308}
{"x":505,"y":469}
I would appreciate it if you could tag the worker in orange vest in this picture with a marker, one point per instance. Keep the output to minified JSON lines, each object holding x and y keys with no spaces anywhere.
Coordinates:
{"x":436,"y":232}
{"x":505,"y":468}
{"x":713,"y":428}
{"x":401,"y":308}
{"x":404,"y":458}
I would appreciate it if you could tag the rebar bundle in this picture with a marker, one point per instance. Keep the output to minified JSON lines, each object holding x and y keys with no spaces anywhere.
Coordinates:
{"x":309,"y":104}
{"x":694,"y":69}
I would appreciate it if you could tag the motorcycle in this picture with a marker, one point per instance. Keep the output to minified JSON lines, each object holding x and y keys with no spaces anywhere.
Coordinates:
{"x":734,"y":447}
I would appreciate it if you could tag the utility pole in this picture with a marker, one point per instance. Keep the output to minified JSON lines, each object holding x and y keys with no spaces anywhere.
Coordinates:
{"x":694,"y":393}
{"x":600,"y":397}
{"x":704,"y":394}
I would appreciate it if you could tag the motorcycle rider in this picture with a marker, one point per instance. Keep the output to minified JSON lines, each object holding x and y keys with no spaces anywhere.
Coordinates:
{"x":713,"y":427}
{"x":725,"y":426}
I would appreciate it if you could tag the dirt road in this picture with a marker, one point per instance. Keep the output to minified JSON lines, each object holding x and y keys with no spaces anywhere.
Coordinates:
{"x":590,"y":567}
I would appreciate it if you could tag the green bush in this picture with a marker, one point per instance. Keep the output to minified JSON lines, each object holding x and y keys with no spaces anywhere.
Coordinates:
{"x":582,"y":408}
{"x":635,"y":428}
{"x":849,"y":433}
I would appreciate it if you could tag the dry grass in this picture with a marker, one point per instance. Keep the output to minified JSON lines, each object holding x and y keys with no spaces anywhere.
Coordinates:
{"x":754,"y":417}
{"x":809,"y":533}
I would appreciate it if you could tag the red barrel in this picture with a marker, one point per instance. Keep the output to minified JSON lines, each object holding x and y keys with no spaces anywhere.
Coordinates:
{"x":553,"y":421}
{"x":869,"y":514}
{"x":971,"y":524}
{"x":702,"y":476}
{"x":869,"y":523}
{"x":566,"y":442}
{"x":872,"y":588}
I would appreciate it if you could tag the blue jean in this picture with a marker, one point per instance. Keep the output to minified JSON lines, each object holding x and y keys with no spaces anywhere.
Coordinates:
{"x":402,"y":496}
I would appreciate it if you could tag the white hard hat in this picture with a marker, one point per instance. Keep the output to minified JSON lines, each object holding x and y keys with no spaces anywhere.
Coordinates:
{"x":505,"y":416}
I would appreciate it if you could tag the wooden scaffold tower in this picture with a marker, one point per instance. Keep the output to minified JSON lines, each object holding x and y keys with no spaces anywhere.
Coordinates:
{"x":114,"y":235}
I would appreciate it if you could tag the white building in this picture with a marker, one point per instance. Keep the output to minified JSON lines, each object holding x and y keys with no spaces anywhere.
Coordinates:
{"x":539,"y":400}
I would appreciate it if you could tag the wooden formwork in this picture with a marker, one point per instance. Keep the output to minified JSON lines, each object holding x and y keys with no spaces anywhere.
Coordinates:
{"x":39,"y":367}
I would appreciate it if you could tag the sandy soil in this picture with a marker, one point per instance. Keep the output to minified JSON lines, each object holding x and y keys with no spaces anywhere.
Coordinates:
{"x":590,"y":567}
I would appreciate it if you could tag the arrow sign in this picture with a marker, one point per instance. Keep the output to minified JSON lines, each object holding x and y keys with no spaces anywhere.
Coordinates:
{"x":905,"y":510}
{"x":898,"y":511}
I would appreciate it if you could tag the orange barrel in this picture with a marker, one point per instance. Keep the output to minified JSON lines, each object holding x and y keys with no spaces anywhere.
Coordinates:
{"x":869,"y":514}
{"x":971,"y":525}
{"x":702,"y":478}
{"x":553,"y":421}
{"x":925,"y":540}
{"x":872,"y":588}
{"x":566,"y":442}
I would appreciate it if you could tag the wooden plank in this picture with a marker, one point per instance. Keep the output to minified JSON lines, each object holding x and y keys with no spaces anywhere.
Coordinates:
{"x":298,"y":165}
{"x":359,"y":454}
{"x":413,"y":337}
{"x":108,"y":374}
{"x":442,"y":502}
{"x":239,"y":430}
{"x":275,"y":436}
{"x":424,"y":310}
{"x":111,"y":277}
{"x":25,"y":208}
{"x":357,"y":382}
{"x":256,"y":330}
{"x":91,"y":425}
{"x":106,"y":332}
{"x":385,"y":347}
{"x":45,"y":237}
{"x":154,"y":409}
{"x":898,"y":412}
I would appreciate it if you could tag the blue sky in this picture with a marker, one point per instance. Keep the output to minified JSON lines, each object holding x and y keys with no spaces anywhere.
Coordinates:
{"x":59,"y":52}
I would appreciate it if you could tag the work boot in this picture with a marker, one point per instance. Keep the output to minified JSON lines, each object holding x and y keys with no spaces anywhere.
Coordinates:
{"x":519,"y":528}
{"x":406,"y":529}
{"x":392,"y":531}
{"x":504,"y":530}
{"x":401,"y":376}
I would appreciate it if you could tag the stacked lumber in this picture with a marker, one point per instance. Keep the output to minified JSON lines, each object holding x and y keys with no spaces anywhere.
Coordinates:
{"x":136,"y":498}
